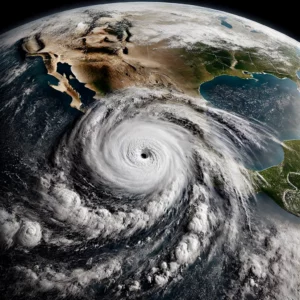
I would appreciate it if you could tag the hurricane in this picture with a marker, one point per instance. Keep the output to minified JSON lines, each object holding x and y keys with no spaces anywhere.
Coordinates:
{"x":149,"y":151}
{"x":143,"y":190}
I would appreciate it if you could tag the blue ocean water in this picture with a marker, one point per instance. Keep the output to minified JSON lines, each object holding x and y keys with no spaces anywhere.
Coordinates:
{"x":268,"y":209}
{"x":264,"y":98}
{"x":33,"y":115}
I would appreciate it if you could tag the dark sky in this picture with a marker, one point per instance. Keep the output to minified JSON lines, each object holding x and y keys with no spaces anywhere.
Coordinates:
{"x":283,"y":16}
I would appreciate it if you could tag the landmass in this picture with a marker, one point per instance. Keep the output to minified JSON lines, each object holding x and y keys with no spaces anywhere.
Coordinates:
{"x":282,"y":182}
{"x":104,"y":58}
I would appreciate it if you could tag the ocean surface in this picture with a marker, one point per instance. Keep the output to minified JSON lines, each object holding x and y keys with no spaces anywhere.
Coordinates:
{"x":265,"y":99}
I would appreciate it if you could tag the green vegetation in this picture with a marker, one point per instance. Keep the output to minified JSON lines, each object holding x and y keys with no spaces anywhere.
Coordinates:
{"x":207,"y":62}
{"x":253,"y":61}
{"x":282,"y":182}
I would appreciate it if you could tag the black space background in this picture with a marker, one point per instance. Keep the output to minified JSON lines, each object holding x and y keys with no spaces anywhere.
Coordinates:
{"x":283,"y":16}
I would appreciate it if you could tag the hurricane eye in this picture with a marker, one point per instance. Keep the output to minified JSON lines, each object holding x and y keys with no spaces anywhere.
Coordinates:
{"x":144,"y":155}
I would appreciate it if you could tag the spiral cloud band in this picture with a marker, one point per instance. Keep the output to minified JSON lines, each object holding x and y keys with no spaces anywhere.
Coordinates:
{"x":144,"y":185}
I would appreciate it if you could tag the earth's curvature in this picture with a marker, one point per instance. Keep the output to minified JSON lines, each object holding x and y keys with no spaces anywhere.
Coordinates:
{"x":149,"y":151}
